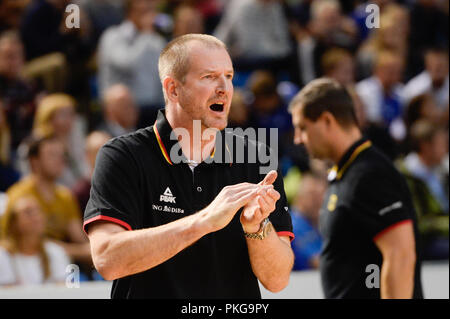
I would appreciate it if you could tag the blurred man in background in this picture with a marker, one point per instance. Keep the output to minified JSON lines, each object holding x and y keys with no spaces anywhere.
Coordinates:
{"x":119,"y":110}
{"x":128,"y":54}
{"x":305,"y":221}
{"x":367,"y":217}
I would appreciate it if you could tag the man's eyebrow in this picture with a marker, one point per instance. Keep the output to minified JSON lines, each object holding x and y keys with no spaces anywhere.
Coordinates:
{"x":215,"y":71}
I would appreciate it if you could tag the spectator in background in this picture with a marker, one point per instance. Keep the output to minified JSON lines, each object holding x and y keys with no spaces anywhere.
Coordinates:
{"x":339,"y":64}
{"x":433,"y":80}
{"x":27,"y":257}
{"x":427,"y":178}
{"x":392,"y":36}
{"x":305,"y":221}
{"x":268,"y":110}
{"x":102,"y":14}
{"x":46,"y":156}
{"x":11,"y":13}
{"x":256,"y":33}
{"x":381,"y":94}
{"x":94,"y":141}
{"x":56,"y":116}
{"x":429,"y":28}
{"x":8,"y":175}
{"x":57,"y":52}
{"x":423,"y":107}
{"x":128,"y":54}
{"x":44,"y":30}
{"x":327,"y":28}
{"x":18,"y":94}
{"x":239,"y":110}
{"x":120,"y":112}
{"x":425,"y":162}
{"x":187,"y":19}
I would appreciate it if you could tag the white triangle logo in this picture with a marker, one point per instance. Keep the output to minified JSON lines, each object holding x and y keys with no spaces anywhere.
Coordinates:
{"x":167,"y":192}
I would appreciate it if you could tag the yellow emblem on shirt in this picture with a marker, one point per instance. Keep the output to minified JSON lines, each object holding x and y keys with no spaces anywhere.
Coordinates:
{"x":332,"y":202}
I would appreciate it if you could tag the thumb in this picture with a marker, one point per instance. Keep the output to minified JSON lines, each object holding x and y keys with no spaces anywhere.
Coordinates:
{"x":270,"y":178}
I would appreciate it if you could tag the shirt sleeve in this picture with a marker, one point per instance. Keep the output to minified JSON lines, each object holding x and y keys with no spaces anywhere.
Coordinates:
{"x":280,"y":217}
{"x":382,"y":202}
{"x":115,"y":193}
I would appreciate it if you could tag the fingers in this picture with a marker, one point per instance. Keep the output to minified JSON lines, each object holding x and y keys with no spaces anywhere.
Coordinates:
{"x":270,"y":178}
{"x":242,"y":198}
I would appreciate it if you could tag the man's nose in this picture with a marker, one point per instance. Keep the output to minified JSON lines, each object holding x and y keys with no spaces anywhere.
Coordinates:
{"x":298,"y":139}
{"x":222,"y":85}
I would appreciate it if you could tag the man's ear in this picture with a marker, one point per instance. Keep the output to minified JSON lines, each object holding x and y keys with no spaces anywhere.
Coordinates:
{"x":328,"y":119}
{"x":170,"y":86}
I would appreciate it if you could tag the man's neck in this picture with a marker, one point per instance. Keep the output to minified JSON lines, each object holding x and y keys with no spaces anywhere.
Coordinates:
{"x":343,"y":141}
{"x":200,"y":143}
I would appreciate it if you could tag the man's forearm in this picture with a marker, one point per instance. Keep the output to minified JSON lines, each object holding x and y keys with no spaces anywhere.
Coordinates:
{"x":130,"y":252}
{"x":272,"y":260}
{"x":397,"y":278}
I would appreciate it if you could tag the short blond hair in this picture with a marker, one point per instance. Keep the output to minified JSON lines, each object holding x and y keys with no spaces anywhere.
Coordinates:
{"x":174,"y":58}
{"x":47,"y":107}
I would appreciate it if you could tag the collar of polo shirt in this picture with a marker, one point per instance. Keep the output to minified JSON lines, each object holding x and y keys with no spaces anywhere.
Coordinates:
{"x":337,"y":171}
{"x":163,"y":131}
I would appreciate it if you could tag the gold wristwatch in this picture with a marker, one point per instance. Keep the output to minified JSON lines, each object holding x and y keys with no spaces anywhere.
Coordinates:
{"x":263,"y":232}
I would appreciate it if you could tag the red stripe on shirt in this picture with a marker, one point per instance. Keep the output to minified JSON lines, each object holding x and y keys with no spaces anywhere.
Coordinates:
{"x":389,"y":228}
{"x":106,"y":218}
{"x":286,"y":233}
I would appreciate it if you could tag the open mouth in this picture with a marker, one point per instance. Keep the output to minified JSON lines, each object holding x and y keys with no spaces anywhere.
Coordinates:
{"x":216,"y":107}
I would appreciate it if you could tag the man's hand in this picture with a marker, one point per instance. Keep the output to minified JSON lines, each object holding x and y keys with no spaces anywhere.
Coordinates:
{"x":231,"y":198}
{"x":262,"y":205}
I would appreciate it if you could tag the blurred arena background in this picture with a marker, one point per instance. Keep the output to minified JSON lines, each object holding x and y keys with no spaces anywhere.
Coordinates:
{"x":87,"y":73}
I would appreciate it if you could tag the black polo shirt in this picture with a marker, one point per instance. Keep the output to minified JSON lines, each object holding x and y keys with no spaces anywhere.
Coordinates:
{"x":366,"y":197}
{"x":137,"y":185}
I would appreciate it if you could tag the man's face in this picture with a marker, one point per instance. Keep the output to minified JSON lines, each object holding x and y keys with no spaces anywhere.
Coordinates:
{"x":312,"y":134}
{"x":51,"y":159}
{"x":207,"y":90}
{"x":390,"y":73}
{"x":30,"y":218}
{"x":437,"y":66}
{"x":11,"y":58}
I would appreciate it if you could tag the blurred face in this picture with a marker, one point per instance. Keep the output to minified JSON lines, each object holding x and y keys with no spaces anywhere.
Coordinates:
{"x":311,"y":134}
{"x":439,"y":147}
{"x":123,"y":109}
{"x":311,"y":196}
{"x":390,"y":73}
{"x":188,"y":20}
{"x":344,"y":72}
{"x":51,"y":159}
{"x":437,"y":66}
{"x":207,"y":90}
{"x":29,"y":217}
{"x":11,"y":59}
{"x":62,"y":121}
{"x":142,"y":13}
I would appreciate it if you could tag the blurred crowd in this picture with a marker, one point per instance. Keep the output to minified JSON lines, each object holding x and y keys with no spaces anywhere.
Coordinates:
{"x":67,"y":88}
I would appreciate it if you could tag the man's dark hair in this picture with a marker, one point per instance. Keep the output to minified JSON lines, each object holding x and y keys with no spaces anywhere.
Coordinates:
{"x":326,"y":95}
